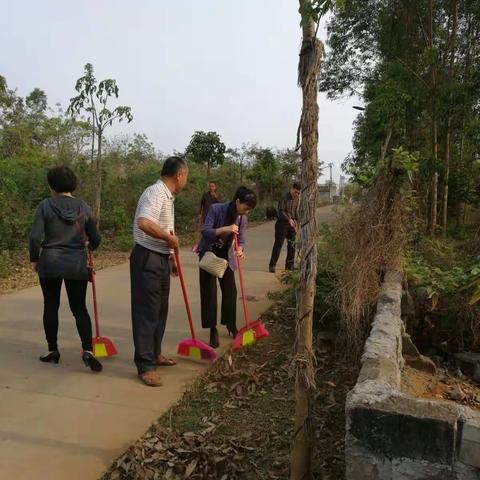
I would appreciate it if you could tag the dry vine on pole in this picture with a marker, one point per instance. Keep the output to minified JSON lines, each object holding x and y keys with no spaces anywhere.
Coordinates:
{"x":311,"y":55}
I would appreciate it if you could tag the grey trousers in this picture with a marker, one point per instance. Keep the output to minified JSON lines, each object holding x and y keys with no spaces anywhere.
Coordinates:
{"x":150,"y":288}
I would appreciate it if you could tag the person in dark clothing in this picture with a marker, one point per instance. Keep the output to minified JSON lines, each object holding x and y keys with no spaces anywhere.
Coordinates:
{"x":61,"y":226}
{"x":208,"y":199}
{"x":221,"y":222}
{"x":286,"y":227}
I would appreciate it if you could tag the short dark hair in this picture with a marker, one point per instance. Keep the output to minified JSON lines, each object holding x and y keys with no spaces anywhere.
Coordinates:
{"x":61,"y":179}
{"x":172,"y":165}
{"x":212,"y":181}
{"x":296,"y":186}
{"x":245,"y":195}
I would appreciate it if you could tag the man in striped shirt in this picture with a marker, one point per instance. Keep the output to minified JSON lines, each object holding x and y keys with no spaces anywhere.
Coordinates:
{"x":151,"y":264}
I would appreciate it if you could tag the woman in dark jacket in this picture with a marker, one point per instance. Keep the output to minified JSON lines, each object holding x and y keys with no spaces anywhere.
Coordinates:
{"x":61,"y":226}
{"x":221,"y":222}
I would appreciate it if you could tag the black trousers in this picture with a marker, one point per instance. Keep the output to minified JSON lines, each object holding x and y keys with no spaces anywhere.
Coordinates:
{"x":208,"y":299}
{"x":150,"y":289}
{"x":76,"y":292}
{"x":283,"y":231}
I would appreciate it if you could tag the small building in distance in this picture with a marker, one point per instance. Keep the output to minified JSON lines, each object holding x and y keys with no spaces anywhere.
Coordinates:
{"x":327,"y":191}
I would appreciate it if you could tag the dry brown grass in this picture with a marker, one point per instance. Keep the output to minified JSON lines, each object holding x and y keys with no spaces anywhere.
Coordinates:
{"x":370,"y":237}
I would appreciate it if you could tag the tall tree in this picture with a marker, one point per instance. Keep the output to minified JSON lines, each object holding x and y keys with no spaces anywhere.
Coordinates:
{"x":311,"y":54}
{"x":207,"y":149}
{"x":434,"y":124}
{"x":416,"y":67}
{"x":290,"y":162}
{"x":265,"y":172}
{"x":238,"y":157}
{"x":93,"y":98}
{"x":450,"y":79}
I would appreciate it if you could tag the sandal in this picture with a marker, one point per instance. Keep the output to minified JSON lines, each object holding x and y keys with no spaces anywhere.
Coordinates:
{"x":163,"y":361}
{"x":151,"y":379}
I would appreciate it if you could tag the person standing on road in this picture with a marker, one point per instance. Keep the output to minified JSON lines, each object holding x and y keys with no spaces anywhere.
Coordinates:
{"x":286,"y":227}
{"x":151,"y":264}
{"x":208,"y":199}
{"x":222,"y":222}
{"x":61,"y":227}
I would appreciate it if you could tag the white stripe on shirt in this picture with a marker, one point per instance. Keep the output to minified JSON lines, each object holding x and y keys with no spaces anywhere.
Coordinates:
{"x":155,"y":204}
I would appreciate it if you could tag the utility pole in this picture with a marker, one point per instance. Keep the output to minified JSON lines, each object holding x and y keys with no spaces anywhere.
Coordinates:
{"x":330,"y":165}
{"x":342,"y":185}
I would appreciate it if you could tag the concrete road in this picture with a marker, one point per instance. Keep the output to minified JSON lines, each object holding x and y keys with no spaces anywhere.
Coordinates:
{"x":65,"y":422}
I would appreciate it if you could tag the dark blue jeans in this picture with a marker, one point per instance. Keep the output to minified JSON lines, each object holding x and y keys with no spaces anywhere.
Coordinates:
{"x":150,"y":289}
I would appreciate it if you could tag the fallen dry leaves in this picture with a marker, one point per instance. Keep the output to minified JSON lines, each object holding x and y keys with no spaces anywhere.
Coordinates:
{"x":237,"y":420}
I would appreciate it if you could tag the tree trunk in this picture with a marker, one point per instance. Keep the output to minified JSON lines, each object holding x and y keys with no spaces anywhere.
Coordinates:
{"x":98,"y":179}
{"x":445,"y":180}
{"x":385,"y":144}
{"x":433,"y":216}
{"x":309,"y":66}
{"x":434,"y":130}
{"x":93,"y":140}
{"x":449,"y":118}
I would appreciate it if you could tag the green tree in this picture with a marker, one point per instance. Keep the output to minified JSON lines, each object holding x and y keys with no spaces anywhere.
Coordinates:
{"x":415,"y":66}
{"x":93,"y":98}
{"x":206,"y":148}
{"x":36,"y":105}
{"x":290,"y":165}
{"x":140,"y":148}
{"x":265,"y":172}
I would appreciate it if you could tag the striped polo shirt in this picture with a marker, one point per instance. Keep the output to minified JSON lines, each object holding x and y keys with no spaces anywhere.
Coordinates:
{"x":155,"y":204}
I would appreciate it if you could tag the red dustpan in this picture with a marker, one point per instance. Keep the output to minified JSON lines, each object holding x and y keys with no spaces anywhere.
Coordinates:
{"x":251,"y":332}
{"x":102,"y":346}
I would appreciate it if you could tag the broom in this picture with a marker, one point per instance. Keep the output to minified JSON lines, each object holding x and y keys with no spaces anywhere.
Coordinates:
{"x":251,"y":332}
{"x":192,"y":347}
{"x":102,"y":346}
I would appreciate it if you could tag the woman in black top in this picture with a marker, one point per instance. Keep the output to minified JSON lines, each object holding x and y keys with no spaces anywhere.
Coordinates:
{"x":60,"y":228}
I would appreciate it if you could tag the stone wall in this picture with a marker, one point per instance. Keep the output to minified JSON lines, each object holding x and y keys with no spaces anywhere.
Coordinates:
{"x":391,"y":436}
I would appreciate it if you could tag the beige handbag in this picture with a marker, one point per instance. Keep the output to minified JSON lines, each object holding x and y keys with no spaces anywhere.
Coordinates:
{"x":213,"y":264}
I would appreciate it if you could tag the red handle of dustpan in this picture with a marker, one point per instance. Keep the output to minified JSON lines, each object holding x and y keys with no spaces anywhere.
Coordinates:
{"x":184,"y":291}
{"x":240,"y":276}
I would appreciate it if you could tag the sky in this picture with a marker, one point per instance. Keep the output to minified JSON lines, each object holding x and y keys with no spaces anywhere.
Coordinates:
{"x":181,"y":65}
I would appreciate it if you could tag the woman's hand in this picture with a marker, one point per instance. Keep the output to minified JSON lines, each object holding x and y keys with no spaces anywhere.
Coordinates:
{"x":229,"y":229}
{"x":34,"y":266}
{"x":241,"y":253}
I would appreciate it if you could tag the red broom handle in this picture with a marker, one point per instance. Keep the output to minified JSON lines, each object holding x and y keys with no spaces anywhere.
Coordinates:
{"x":240,"y":276}
{"x":94,"y":293}
{"x":184,"y":291}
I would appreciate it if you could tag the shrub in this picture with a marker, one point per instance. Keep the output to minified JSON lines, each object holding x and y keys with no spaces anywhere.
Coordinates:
{"x":5,"y":265}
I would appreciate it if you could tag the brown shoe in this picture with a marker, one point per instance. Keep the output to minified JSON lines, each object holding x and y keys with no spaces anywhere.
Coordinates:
{"x":151,"y":378}
{"x":163,"y":361}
